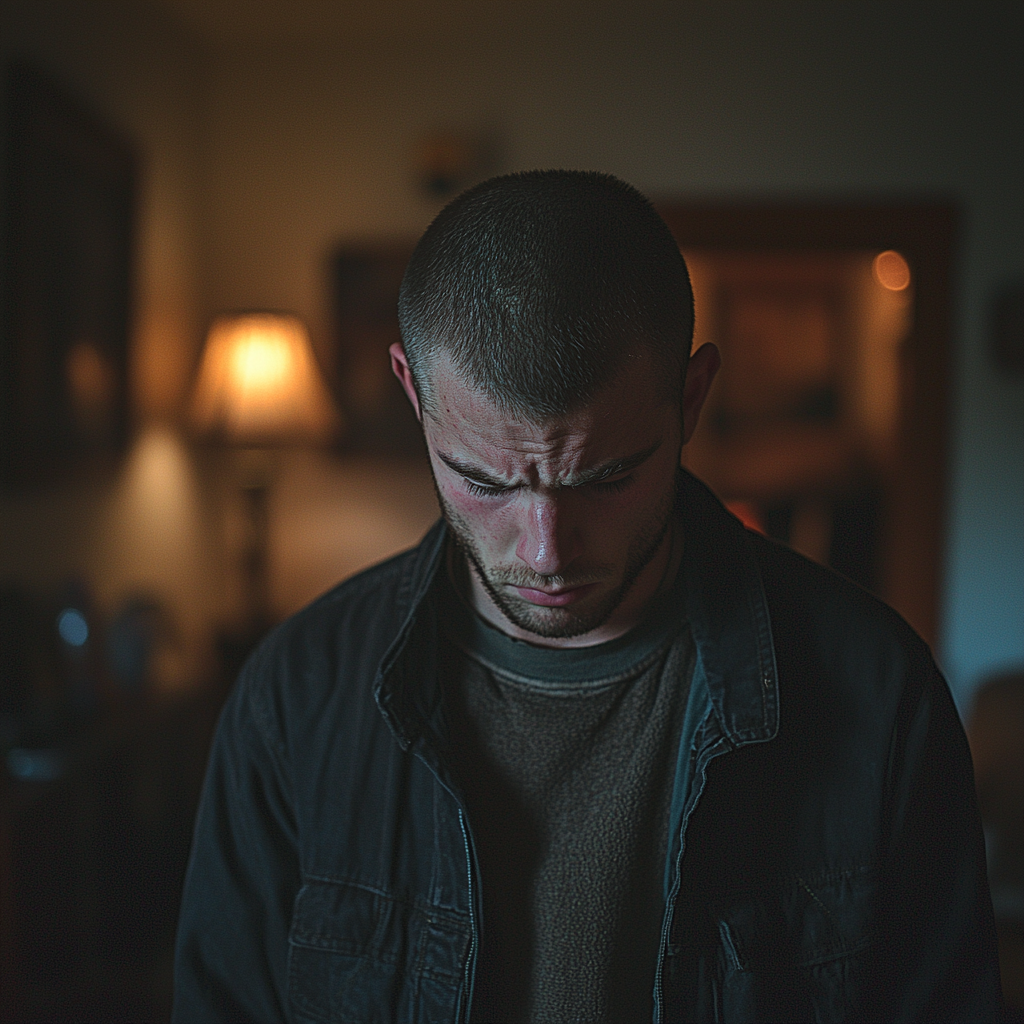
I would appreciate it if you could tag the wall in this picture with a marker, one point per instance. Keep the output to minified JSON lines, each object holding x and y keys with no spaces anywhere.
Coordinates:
{"x":312,"y":142}
{"x":149,"y":526}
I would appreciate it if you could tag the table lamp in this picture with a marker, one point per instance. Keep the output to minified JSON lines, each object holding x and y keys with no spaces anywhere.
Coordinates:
{"x":259,"y":389}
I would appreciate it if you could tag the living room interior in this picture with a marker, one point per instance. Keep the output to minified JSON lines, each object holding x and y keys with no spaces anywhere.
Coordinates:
{"x":843,"y":176}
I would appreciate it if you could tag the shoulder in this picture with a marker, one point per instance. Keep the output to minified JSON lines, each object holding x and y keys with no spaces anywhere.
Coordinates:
{"x":316,"y":670}
{"x":828,"y":630}
{"x":369,"y":600}
{"x":360,"y":613}
{"x":856,"y":684}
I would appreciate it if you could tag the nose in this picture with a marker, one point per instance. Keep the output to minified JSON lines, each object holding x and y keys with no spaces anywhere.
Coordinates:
{"x":549,"y":537}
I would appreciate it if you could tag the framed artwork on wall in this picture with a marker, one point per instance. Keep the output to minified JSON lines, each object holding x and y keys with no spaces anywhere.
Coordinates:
{"x":65,"y":305}
{"x":378,"y":418}
{"x":829,"y":417}
{"x":785,"y":354}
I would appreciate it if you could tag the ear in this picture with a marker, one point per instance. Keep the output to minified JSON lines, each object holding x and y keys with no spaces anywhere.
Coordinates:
{"x":700,"y":374}
{"x":400,"y":368}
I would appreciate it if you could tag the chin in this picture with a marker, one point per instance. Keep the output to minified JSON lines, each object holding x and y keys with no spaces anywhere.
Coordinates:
{"x":557,"y":623}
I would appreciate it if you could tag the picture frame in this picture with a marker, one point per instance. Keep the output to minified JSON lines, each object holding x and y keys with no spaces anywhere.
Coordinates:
{"x":378,"y":418}
{"x":785,"y":346}
{"x":65,"y":286}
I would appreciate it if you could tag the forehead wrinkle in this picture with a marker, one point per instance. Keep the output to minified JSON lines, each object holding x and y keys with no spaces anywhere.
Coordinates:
{"x":506,"y":449}
{"x":485,"y":441}
{"x":572,"y":478}
{"x":507,"y":464}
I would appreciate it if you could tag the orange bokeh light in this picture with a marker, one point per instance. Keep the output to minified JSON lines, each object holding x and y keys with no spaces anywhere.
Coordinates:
{"x":892,"y":271}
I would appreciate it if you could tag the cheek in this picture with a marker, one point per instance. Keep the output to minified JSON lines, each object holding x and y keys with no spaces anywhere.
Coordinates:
{"x":491,"y":524}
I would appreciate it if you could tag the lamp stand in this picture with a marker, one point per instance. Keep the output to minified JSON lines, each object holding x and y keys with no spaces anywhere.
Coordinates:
{"x":257,"y":469}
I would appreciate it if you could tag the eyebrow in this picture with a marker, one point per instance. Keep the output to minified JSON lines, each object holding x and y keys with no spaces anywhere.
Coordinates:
{"x":591,"y":476}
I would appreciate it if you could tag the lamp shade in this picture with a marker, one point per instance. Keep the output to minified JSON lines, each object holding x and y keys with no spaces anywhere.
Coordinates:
{"x":259,"y":382}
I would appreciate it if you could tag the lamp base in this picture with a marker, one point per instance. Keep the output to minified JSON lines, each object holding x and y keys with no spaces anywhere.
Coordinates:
{"x":257,"y":468}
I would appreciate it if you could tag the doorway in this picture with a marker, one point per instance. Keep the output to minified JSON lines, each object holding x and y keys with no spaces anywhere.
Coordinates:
{"x":827,"y":427}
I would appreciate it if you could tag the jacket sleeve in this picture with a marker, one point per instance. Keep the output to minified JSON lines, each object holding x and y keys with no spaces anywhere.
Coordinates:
{"x":938,"y":958}
{"x":232,"y":944}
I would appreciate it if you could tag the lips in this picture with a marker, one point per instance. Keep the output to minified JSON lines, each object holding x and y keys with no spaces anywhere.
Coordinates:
{"x":556,"y":598}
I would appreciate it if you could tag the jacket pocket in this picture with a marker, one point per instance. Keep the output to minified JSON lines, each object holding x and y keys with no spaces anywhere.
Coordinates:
{"x":357,"y":954}
{"x":796,"y":952}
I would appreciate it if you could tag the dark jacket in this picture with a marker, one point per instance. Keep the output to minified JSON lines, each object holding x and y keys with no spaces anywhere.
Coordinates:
{"x":826,"y":860}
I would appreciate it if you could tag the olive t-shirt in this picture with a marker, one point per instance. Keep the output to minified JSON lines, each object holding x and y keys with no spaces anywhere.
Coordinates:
{"x":566,"y":758}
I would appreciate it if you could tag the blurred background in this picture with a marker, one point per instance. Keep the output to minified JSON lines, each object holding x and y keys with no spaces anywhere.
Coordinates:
{"x":205,"y":211}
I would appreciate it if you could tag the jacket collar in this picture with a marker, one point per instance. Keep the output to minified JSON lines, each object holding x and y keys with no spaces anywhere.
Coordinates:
{"x":405,"y":686}
{"x":726,"y":607}
{"x":728,"y":616}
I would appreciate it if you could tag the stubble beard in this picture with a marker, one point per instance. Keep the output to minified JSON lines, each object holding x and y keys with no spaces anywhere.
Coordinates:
{"x":561,"y":623}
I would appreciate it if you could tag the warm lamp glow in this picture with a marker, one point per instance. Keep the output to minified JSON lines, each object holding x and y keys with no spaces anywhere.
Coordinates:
{"x":259,"y":382}
{"x":891,"y":270}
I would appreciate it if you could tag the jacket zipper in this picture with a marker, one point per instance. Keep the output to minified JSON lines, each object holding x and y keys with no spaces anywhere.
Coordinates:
{"x":704,"y":759}
{"x":470,"y":972}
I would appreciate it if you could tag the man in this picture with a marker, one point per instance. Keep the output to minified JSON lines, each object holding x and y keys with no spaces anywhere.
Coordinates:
{"x":592,"y":751}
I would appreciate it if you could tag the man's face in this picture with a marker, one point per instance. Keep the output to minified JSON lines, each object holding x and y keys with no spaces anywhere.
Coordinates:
{"x":564,"y":522}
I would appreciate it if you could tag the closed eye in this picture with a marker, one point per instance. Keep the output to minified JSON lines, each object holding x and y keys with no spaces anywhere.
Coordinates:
{"x":600,"y":486}
{"x":484,"y":490}
{"x":611,"y":486}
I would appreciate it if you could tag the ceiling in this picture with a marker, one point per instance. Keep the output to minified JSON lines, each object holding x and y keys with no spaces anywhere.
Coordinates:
{"x":269,"y":21}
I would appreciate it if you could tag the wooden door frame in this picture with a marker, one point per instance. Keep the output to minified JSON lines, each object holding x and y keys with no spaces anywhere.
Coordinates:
{"x":925,"y":233}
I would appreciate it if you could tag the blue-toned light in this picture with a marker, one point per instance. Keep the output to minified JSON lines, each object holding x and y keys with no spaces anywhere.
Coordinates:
{"x":73,"y":628}
{"x":35,"y":765}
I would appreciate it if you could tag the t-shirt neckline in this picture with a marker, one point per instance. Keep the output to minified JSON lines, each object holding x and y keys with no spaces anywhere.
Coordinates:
{"x":601,"y":664}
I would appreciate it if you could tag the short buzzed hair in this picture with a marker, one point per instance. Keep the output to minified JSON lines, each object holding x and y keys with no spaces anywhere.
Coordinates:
{"x":540,"y":284}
